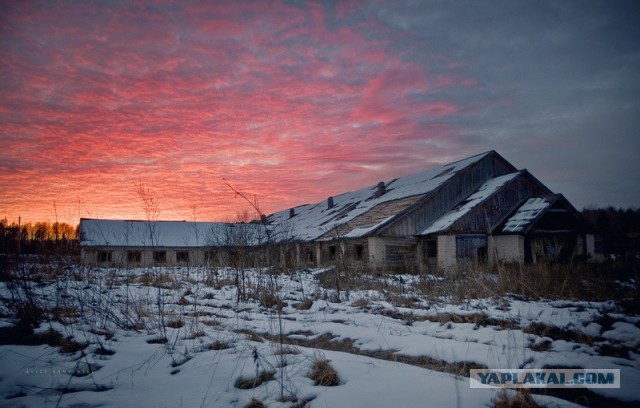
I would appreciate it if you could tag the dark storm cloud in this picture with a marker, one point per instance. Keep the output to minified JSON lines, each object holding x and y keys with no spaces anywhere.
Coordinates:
{"x":557,"y":85}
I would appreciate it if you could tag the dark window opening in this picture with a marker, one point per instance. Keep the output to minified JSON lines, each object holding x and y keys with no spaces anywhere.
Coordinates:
{"x":310,"y":255}
{"x":160,"y":256}
{"x":431,"y":248}
{"x":134,"y":256}
{"x":182,"y":256}
{"x":332,"y":252}
{"x":359,"y":252}
{"x":104,"y":256}
{"x":209,"y":255}
{"x":473,"y":247}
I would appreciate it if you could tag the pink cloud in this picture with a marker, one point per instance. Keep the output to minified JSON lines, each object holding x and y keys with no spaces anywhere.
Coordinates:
{"x":286,"y":102}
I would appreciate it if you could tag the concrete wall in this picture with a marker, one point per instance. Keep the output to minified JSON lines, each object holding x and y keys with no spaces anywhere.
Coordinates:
{"x":506,"y":248}
{"x":590,"y":242}
{"x":376,"y":251}
{"x":119,"y":257}
{"x":446,"y":251}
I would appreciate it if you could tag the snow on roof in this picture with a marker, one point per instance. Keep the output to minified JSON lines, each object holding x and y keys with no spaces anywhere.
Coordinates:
{"x":527,"y":213}
{"x":167,"y":233}
{"x":475,"y":199}
{"x":360,"y":232}
{"x":313,"y":220}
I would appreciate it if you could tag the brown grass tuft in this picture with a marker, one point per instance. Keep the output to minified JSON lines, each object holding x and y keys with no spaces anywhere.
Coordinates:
{"x":324,"y":374}
{"x":245,"y":383}
{"x":521,"y":399}
{"x":254,"y":403}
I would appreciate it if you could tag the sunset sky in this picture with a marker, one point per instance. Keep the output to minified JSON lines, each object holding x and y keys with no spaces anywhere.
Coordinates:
{"x":293,"y":101}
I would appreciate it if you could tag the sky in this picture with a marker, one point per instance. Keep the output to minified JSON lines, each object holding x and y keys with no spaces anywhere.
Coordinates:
{"x":292,"y":101}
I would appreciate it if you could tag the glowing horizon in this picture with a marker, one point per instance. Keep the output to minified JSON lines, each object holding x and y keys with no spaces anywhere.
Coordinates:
{"x":295,"y":102}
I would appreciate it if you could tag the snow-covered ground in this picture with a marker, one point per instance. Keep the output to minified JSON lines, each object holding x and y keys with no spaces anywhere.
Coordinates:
{"x":385,"y":354}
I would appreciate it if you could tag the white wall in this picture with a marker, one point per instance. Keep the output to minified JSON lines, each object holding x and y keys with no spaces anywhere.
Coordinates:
{"x":446,"y":251}
{"x":376,"y":251}
{"x":506,"y":248}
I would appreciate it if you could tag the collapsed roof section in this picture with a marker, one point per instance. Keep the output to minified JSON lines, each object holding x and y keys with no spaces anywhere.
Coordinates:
{"x":548,"y":214}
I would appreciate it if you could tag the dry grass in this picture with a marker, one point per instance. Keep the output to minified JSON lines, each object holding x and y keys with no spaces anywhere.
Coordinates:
{"x":219,"y":345}
{"x":175,"y":323}
{"x":281,"y":351}
{"x":521,"y":399}
{"x":361,"y":303}
{"x":324,"y":374}
{"x":254,"y":403}
{"x":541,"y":346}
{"x":251,"y":334}
{"x":556,"y":333}
{"x":245,"y":383}
{"x":221,"y":283}
{"x":304,"y":305}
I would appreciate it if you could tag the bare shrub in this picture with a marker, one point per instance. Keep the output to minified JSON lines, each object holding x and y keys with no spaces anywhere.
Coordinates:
{"x":324,"y":374}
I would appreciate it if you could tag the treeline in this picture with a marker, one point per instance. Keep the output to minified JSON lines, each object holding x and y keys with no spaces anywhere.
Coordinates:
{"x":619,"y":230}
{"x":37,"y":237}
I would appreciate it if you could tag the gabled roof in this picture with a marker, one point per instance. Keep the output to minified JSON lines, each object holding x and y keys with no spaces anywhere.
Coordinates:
{"x":312,"y":221}
{"x":473,"y":201}
{"x":540,"y":214}
{"x":179,"y":234}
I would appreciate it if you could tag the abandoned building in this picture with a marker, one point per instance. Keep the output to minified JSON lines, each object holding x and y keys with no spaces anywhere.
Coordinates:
{"x":166,"y":243}
{"x":479,"y":210}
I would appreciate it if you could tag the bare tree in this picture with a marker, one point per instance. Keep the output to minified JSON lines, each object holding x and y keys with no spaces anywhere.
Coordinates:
{"x":151,"y":208}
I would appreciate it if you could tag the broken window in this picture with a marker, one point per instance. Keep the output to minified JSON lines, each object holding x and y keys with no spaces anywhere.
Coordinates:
{"x":134,"y":256}
{"x":431,"y":248}
{"x":358,"y":249}
{"x":182,"y":256}
{"x":332,"y":252}
{"x":472,"y":246}
{"x":160,"y":257}
{"x":104,"y":256}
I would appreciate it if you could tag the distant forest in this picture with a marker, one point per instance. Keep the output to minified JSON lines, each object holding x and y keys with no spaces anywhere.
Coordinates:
{"x":38,"y":238}
{"x":618,"y":229}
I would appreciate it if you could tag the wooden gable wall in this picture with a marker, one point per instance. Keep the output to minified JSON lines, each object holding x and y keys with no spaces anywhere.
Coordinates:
{"x":448,"y":195}
{"x":494,"y":210}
